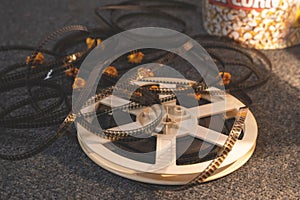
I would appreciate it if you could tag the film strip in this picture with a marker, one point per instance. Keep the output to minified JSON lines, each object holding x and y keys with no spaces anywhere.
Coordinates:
{"x":33,"y":73}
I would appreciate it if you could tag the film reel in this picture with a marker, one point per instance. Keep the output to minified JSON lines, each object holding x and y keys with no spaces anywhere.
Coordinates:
{"x":166,"y":153}
{"x":170,"y":164}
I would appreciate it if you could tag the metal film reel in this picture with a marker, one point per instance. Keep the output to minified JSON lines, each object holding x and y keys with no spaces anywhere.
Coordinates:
{"x":166,"y":163}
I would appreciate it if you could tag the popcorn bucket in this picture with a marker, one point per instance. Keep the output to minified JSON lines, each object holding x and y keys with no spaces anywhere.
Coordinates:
{"x":260,"y":24}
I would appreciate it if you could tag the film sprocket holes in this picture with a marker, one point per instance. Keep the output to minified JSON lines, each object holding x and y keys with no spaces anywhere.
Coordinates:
{"x":261,"y":24}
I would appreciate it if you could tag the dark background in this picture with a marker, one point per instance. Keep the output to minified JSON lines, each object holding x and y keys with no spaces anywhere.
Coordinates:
{"x":64,"y":172}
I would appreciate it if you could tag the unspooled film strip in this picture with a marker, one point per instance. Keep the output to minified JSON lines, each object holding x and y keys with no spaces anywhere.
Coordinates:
{"x":39,"y":90}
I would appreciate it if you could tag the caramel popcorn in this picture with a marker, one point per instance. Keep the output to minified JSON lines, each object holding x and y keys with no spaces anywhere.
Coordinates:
{"x":39,"y":58}
{"x":135,"y":57}
{"x":91,"y":42}
{"x":111,"y":71}
{"x":78,"y":83}
{"x":226,"y":78}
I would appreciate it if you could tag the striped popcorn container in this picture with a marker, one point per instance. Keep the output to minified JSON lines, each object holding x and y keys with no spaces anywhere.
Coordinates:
{"x":260,"y":24}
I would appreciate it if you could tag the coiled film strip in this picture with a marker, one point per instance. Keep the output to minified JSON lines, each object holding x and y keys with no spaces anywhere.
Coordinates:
{"x":20,"y":75}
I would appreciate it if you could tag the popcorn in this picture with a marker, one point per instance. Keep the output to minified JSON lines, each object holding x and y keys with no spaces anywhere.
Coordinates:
{"x":111,"y":71}
{"x":78,"y":83}
{"x":39,"y":58}
{"x":135,"y":57}
{"x":261,"y":24}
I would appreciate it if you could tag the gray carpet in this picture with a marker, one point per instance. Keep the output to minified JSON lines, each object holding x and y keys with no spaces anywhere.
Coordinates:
{"x":64,"y":172}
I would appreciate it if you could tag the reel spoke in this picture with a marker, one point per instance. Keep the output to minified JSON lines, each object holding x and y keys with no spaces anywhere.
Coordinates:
{"x":165,"y":150}
{"x":219,"y":107}
{"x":210,"y":136}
